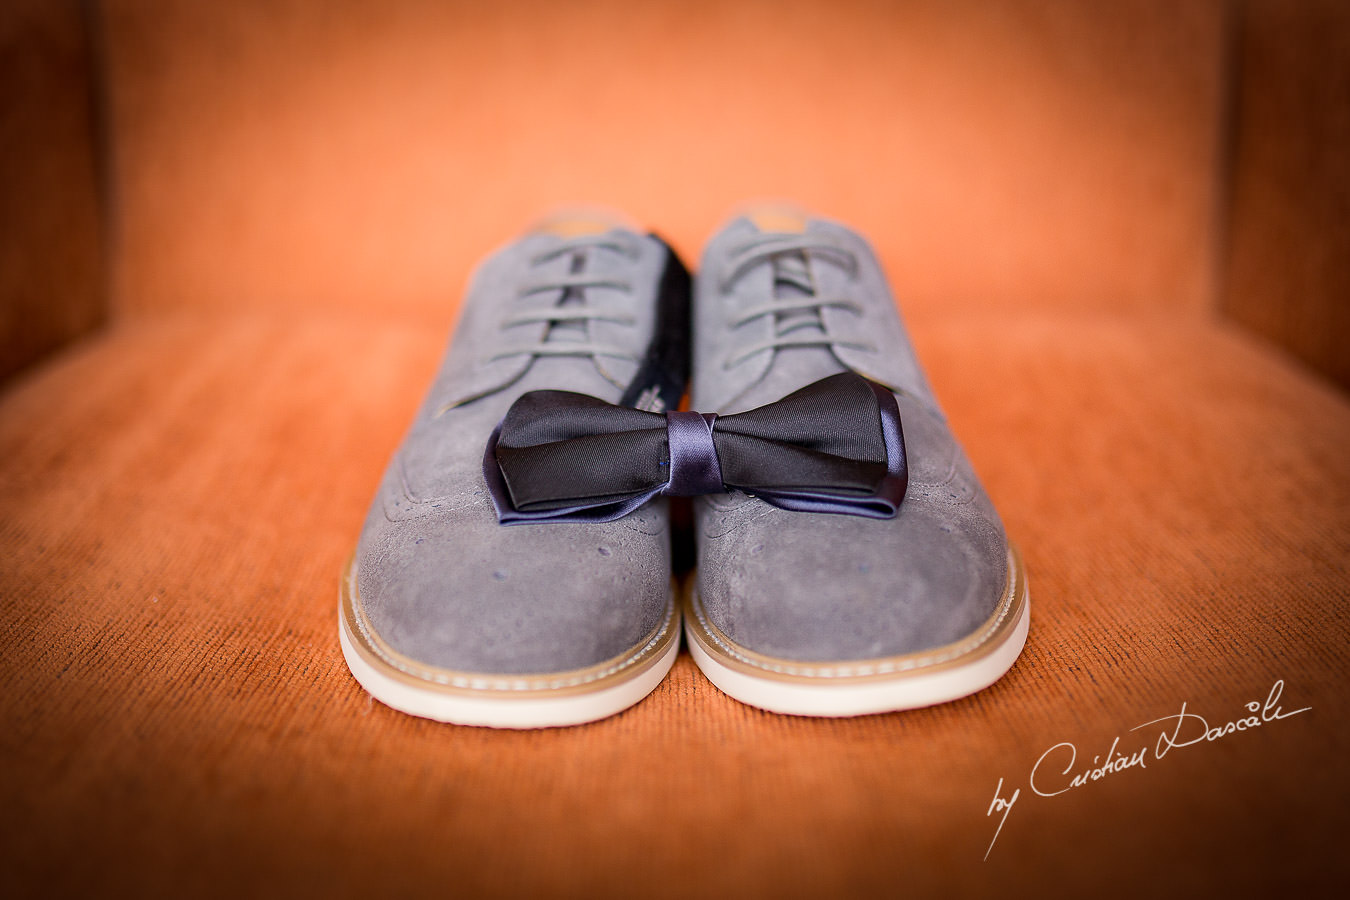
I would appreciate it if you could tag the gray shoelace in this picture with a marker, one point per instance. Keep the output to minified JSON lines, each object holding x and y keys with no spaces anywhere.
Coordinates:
{"x":568,"y":321}
{"x":795,"y":305}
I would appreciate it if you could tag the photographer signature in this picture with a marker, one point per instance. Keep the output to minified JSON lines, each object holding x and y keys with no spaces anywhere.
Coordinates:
{"x":1051,"y":776}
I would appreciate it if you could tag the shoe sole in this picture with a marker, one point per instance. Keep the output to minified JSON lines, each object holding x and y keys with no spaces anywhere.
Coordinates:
{"x":502,"y":701}
{"x":859,"y":687}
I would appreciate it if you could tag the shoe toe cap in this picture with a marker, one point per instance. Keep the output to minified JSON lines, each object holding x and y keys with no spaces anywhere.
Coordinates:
{"x":809,"y":587}
{"x":461,"y":592}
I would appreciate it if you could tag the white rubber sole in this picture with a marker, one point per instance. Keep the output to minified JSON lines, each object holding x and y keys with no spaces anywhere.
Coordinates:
{"x":502,"y":701}
{"x":859,"y":687}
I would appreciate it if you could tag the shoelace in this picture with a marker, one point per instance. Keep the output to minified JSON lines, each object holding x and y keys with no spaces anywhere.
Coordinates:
{"x":768,"y":248}
{"x":572,"y":308}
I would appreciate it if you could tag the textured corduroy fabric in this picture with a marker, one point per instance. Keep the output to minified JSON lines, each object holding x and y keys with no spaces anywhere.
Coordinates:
{"x":306,"y":155}
{"x":179,"y":496}
{"x":299,"y":190}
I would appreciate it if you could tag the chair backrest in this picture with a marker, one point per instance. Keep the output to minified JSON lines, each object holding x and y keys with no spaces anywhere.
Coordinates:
{"x":1017,"y":158}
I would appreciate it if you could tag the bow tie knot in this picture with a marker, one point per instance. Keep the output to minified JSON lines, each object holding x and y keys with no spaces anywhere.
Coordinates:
{"x":694,"y":466}
{"x":835,"y":446}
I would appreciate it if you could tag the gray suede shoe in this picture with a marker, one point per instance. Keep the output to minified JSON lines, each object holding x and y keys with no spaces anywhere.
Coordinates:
{"x":825,"y":614}
{"x":447,"y":614}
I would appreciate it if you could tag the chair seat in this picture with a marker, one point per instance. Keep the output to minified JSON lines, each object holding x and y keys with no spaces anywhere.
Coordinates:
{"x":178,"y":496}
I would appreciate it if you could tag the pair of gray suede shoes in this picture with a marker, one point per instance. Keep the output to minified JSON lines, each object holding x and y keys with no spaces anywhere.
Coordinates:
{"x":449,"y":614}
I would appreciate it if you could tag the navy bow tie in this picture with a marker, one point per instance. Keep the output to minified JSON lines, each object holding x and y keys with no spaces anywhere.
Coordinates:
{"x":834,"y":446}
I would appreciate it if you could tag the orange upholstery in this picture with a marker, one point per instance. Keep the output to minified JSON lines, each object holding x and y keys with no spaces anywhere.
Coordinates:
{"x":53,"y":279}
{"x":336,"y":156}
{"x":300,"y":191}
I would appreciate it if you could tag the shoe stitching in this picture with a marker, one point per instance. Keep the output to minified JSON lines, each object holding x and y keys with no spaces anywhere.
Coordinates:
{"x":658,"y":526}
{"x":518,"y":684}
{"x":417,"y":506}
{"x":740,"y":516}
{"x":884,"y":667}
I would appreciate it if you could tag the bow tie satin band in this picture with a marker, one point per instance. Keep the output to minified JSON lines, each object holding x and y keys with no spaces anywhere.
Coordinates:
{"x":835,"y":446}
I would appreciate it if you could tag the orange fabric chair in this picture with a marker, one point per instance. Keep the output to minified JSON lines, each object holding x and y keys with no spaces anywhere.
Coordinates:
{"x":293,"y":195}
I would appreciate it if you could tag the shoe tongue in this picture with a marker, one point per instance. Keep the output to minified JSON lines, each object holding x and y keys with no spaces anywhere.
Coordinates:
{"x":792,"y":279}
{"x":575,"y":331}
